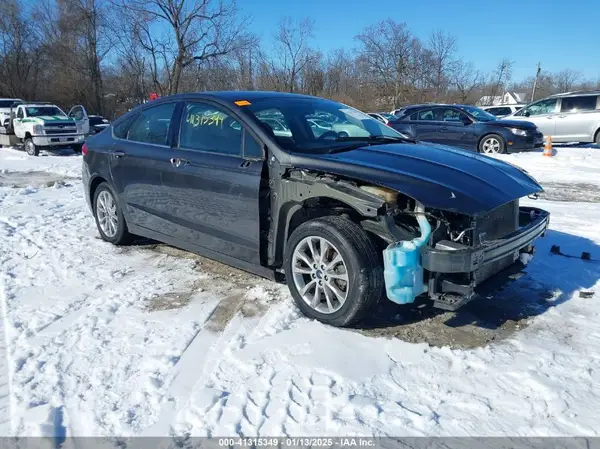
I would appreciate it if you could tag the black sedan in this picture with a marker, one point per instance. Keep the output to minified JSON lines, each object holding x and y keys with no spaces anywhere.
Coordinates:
{"x":347,"y":215}
{"x":97,"y":124}
{"x":467,"y":127}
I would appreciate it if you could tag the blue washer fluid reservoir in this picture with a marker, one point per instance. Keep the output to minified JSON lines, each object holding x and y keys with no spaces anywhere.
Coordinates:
{"x":403,"y":273}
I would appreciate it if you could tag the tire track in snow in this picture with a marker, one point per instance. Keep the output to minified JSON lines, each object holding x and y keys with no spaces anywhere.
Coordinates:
{"x":6,"y":400}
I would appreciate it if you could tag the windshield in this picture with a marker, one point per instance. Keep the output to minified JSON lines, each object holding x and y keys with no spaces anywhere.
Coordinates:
{"x":479,"y":114}
{"x":316,"y":125}
{"x":38,"y":111}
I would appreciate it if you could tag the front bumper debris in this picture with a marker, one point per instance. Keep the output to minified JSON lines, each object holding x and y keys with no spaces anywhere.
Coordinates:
{"x":457,"y":271}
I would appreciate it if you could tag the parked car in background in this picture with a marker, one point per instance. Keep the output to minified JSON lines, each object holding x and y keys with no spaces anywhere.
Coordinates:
{"x":383,"y":117}
{"x":345,"y":219}
{"x":467,"y":127}
{"x":503,"y":110}
{"x":6,"y":105}
{"x":567,"y":117}
{"x":44,"y":126}
{"x":97,"y":123}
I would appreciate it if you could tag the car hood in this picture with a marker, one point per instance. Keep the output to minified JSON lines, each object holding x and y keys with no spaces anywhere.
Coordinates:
{"x":439,"y":177}
{"x":513,"y":123}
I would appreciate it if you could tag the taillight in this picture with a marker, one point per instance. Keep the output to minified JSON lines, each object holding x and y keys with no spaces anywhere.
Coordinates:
{"x":84,"y":149}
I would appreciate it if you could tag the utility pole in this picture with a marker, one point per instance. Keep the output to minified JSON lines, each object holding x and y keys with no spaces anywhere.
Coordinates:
{"x":537,"y":74}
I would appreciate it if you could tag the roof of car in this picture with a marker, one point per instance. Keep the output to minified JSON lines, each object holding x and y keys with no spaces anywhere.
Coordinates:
{"x":577,"y":93}
{"x":238,"y":95}
{"x":429,"y":105}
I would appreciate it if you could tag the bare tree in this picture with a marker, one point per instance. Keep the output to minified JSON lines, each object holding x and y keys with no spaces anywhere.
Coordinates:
{"x":466,"y":80}
{"x":386,"y":55}
{"x":291,"y":52}
{"x":442,"y":49}
{"x":196,"y":30}
{"x":499,"y":79}
{"x":565,"y":80}
{"x":19,"y":52}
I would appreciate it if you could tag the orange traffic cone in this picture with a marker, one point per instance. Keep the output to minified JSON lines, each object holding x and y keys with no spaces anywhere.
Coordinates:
{"x":548,"y":147}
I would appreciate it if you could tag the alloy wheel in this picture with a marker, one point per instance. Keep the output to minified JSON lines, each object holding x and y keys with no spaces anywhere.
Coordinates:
{"x":320,"y":274}
{"x":491,"y":145}
{"x":106,"y":210}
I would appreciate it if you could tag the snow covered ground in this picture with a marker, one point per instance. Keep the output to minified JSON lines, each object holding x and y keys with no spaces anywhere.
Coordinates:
{"x":146,"y":340}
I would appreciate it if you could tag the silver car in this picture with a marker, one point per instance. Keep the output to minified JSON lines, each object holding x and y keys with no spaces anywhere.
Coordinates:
{"x":568,"y":117}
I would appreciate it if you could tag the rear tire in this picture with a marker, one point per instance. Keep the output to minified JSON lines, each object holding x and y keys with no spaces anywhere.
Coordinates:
{"x":492,"y":144}
{"x":109,"y":217}
{"x":359,"y":262}
{"x":30,"y":147}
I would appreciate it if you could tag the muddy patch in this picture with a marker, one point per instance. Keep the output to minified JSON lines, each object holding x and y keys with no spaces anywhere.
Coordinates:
{"x":578,"y":192}
{"x":479,"y":323}
{"x":483,"y":321}
{"x":33,"y":179}
{"x":169,"y":301}
{"x":241,"y":292}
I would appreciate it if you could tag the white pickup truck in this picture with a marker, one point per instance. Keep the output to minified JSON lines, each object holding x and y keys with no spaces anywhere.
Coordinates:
{"x":45,"y":126}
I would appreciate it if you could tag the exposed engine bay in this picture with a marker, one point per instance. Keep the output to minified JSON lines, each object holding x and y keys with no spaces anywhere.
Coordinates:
{"x":449,"y":254}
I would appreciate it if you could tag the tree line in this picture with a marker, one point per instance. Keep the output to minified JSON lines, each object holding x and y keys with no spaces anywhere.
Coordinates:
{"x":109,"y":55}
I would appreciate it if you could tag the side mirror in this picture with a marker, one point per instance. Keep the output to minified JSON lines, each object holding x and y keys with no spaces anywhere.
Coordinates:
{"x":526,"y":113}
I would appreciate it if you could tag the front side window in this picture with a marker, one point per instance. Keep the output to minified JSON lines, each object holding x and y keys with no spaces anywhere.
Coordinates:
{"x":77,"y":113}
{"x":453,"y":115}
{"x":539,"y":108}
{"x":152,"y":125}
{"x":39,"y":111}
{"x":479,"y":113}
{"x":207,"y":128}
{"x":578,"y":104}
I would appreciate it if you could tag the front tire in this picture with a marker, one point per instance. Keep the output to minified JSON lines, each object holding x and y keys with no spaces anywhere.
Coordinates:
{"x":30,"y":147}
{"x":109,"y":217}
{"x":597,"y":139}
{"x":492,"y":144}
{"x":333,"y":270}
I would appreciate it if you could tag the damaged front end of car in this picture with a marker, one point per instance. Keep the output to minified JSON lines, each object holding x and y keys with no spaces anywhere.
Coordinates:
{"x":445,"y":254}
{"x":454,"y":254}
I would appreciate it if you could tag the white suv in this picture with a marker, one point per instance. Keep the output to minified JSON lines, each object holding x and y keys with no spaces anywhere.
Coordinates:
{"x":568,"y":117}
{"x":503,"y":110}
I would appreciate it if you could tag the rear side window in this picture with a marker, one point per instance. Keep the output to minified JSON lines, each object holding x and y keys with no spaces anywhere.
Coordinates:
{"x":207,"y":128}
{"x":152,"y":125}
{"x":578,"y":104}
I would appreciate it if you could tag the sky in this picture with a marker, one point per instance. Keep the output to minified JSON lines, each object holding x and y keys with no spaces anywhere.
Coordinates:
{"x":556,"y":33}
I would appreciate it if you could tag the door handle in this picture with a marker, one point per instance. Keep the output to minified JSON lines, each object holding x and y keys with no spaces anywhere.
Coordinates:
{"x":176,"y":162}
{"x":443,"y":128}
{"x":118,"y":154}
{"x":245,"y":164}
{"x":561,"y":116}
